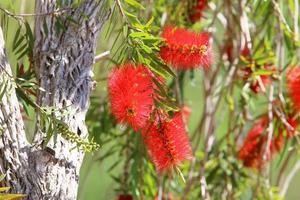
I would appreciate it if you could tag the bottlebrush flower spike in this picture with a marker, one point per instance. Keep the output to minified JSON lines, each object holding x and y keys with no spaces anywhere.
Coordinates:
{"x":196,"y":10}
{"x":184,"y":49}
{"x":293,"y":83}
{"x":251,"y":152}
{"x":167,"y":142}
{"x":131,"y":95}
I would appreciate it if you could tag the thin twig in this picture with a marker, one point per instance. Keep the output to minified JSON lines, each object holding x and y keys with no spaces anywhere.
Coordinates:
{"x":219,"y":15}
{"x":280,"y":15}
{"x":267,"y":152}
{"x":20,"y":16}
{"x":296,"y":18}
{"x":101,"y":56}
{"x":284,"y":166}
{"x":289,"y":178}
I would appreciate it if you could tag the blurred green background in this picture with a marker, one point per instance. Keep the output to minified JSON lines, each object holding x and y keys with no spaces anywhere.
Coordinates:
{"x":95,"y":181}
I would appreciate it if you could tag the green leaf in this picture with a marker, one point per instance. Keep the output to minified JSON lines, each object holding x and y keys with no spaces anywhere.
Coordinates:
{"x":262,"y":72}
{"x":21,"y":49}
{"x":135,"y":4}
{"x":125,"y":30}
{"x":230,"y":102}
{"x":23,"y":96}
{"x":22,"y":54}
{"x":159,"y":85}
{"x":138,"y":34}
{"x":168,"y":105}
{"x":16,"y":37}
{"x":130,"y":15}
{"x":146,"y":48}
{"x":150,"y":22}
{"x":29,"y":35}
{"x":114,"y":165}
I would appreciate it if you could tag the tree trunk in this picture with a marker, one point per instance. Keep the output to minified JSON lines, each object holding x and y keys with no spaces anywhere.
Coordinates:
{"x":64,"y":53}
{"x":13,"y":143}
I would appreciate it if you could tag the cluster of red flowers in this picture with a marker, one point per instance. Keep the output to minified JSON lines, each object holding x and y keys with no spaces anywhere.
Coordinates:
{"x":254,"y":147}
{"x":131,"y":93}
{"x":251,"y":153}
{"x":184,"y":49}
{"x":293,"y":82}
{"x":196,"y":10}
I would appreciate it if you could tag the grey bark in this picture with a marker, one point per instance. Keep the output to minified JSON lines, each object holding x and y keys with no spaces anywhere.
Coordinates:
{"x":13,"y":143}
{"x":63,"y":62}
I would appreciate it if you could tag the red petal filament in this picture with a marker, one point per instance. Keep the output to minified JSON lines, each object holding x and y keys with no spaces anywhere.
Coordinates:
{"x":251,"y":153}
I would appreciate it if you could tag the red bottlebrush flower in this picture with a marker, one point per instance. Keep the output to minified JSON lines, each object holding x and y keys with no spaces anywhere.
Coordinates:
{"x":131,"y":95}
{"x":167,"y":142}
{"x":196,"y":10}
{"x":251,"y":153}
{"x":125,"y":197}
{"x":293,"y":83}
{"x":184,"y":49}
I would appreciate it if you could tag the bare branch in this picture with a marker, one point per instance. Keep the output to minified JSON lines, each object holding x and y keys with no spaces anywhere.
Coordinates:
{"x":101,"y":56}
{"x":20,"y":16}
